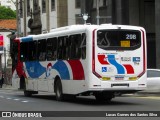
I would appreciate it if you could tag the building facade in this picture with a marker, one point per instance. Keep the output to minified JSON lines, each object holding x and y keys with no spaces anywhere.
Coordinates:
{"x":6,"y":29}
{"x":145,"y":13}
{"x":8,"y":4}
{"x":40,"y":16}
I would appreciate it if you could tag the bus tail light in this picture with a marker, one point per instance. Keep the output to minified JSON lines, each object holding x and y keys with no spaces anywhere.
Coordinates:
{"x":133,"y":78}
{"x":106,"y":78}
{"x":144,"y":55}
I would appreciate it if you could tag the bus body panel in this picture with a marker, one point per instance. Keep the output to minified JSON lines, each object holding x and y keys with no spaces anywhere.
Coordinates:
{"x":101,"y":70}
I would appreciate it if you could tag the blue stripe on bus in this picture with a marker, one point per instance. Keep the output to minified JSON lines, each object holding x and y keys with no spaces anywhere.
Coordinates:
{"x":112,"y":60}
{"x":27,"y":39}
{"x":35,"y":69}
{"x":61,"y":67}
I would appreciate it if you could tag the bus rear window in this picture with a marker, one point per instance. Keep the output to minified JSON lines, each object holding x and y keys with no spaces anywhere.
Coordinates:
{"x":118,"y":39}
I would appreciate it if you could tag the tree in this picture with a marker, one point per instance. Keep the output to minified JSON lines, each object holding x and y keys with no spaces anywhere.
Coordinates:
{"x":7,"y":13}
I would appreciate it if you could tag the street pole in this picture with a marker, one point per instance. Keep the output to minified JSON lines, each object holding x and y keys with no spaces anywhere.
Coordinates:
{"x":25,"y":15}
{"x":48,"y":15}
{"x":5,"y":80}
{"x":17,"y":17}
{"x":97,"y":7}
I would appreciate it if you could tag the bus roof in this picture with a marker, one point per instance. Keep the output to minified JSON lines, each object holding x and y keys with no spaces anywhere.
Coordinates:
{"x":75,"y":29}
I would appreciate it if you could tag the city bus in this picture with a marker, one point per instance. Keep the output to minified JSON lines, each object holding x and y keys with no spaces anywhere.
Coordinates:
{"x":82,"y":60}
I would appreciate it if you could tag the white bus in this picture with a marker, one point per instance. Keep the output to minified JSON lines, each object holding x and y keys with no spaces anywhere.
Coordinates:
{"x":99,"y":60}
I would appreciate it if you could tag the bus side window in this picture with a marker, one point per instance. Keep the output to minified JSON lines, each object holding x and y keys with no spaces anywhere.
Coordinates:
{"x":59,"y":54}
{"x":62,"y":48}
{"x":32,"y":46}
{"x":54,"y":49}
{"x":14,"y":54}
{"x":51,"y":49}
{"x":23,"y":51}
{"x":75,"y":47}
{"x":83,"y":46}
{"x":41,"y":50}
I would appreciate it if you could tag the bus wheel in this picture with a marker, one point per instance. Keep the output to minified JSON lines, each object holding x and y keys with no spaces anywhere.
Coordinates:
{"x":58,"y":91}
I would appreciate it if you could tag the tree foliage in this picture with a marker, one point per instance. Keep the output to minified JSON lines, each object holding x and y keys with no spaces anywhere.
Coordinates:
{"x":7,"y":13}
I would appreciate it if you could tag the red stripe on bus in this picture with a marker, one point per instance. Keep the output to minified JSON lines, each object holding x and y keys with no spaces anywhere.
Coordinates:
{"x":102,"y":60}
{"x":129,"y":69}
{"x":77,"y":69}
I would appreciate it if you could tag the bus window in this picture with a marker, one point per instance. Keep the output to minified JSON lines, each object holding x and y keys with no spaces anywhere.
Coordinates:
{"x":23,"y":51}
{"x":41,"y":50}
{"x":63,"y":49}
{"x":32,"y":46}
{"x":83,"y":46}
{"x":75,"y":47}
{"x":51,"y":49}
{"x":118,"y":39}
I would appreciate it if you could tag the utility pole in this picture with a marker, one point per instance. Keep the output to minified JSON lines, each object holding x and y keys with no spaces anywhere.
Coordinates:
{"x":17,"y":17}
{"x":48,"y":15}
{"x":97,"y":7}
{"x":25,"y":15}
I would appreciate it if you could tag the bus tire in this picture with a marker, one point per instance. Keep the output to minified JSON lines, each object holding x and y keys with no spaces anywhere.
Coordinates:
{"x":58,"y":91}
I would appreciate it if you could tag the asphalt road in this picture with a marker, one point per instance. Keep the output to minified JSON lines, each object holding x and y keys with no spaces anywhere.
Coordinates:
{"x":15,"y":101}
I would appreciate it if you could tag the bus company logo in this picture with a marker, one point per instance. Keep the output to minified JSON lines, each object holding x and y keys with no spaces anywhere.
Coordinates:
{"x":136,"y":59}
{"x":104,"y":69}
{"x":126,"y":59}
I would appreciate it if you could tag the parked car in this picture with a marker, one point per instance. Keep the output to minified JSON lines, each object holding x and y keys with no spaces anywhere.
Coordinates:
{"x":153,"y":80}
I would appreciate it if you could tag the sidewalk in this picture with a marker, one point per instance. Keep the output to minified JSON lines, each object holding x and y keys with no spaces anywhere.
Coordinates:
{"x":7,"y":87}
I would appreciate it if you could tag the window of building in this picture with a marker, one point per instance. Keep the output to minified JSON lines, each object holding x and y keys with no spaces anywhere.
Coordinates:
{"x":79,"y":19}
{"x":28,"y":8}
{"x":41,"y":53}
{"x":43,"y":6}
{"x":78,"y":3}
{"x":53,"y":5}
{"x":105,"y":2}
{"x":102,"y":3}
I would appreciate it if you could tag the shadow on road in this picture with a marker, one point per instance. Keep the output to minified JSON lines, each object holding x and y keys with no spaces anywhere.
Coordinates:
{"x":86,"y":100}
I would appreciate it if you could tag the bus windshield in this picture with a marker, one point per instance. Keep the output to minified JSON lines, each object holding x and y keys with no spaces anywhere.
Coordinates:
{"x":118,"y":39}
